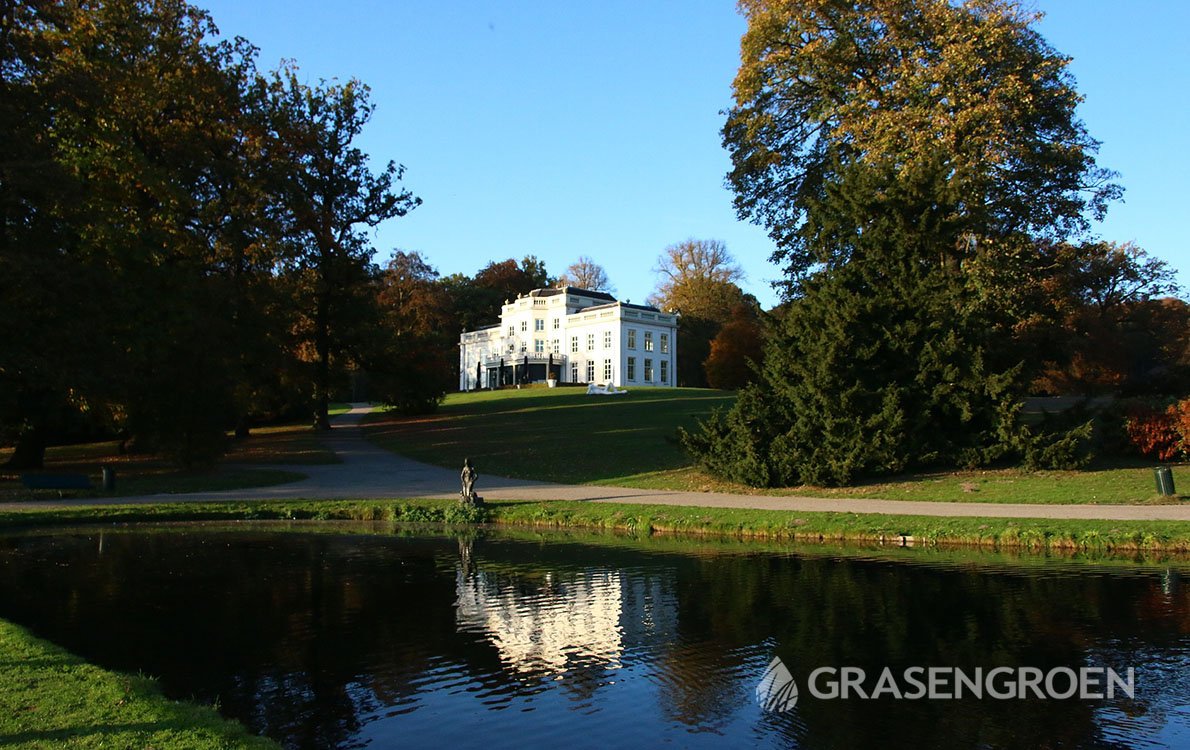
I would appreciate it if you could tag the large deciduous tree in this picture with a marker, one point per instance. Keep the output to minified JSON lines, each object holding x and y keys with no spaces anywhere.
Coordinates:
{"x":969,"y":97}
{"x":697,"y":279}
{"x":138,"y":113}
{"x":176,"y":230}
{"x":332,"y":196}
{"x":1102,"y":326}
{"x":585,"y":273}
{"x":910,"y":159}
{"x":413,"y":362}
{"x":477,"y":300}
{"x":736,"y":350}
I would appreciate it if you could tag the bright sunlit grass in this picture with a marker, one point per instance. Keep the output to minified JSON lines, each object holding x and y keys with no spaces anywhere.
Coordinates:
{"x":52,"y":699}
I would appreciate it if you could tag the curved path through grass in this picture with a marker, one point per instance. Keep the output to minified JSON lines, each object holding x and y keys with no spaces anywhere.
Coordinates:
{"x":368,"y":471}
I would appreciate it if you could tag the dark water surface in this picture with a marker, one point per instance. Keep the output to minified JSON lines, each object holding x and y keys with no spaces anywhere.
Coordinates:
{"x":383,"y":638}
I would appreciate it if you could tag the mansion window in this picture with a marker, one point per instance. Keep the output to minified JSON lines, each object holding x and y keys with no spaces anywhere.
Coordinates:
{"x":607,"y":339}
{"x":632,"y":368}
{"x":539,"y":346}
{"x":648,"y":342}
{"x":607,"y":370}
{"x":573,"y":344}
{"x":664,"y":348}
{"x":557,"y":323}
{"x":631,"y":338}
{"x":664,"y":369}
{"x":574,"y":372}
{"x":590,"y":370}
{"x":512,"y":330}
{"x":590,"y":341}
{"x":556,"y":346}
{"x":524,"y":347}
{"x":648,"y":371}
{"x":524,"y":326}
{"x":538,"y":324}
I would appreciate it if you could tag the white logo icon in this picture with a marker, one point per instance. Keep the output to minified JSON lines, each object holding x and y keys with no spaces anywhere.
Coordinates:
{"x":777,"y":692}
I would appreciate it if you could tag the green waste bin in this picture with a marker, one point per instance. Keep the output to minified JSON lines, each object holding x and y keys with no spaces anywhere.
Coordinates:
{"x":1164,"y":477}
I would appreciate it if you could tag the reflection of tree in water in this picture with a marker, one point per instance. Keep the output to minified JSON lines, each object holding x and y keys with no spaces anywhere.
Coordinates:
{"x":838,"y":613}
{"x":295,"y":637}
{"x":310,"y":636}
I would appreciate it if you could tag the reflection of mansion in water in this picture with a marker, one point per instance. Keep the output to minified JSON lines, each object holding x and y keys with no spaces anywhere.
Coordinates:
{"x":554,"y":622}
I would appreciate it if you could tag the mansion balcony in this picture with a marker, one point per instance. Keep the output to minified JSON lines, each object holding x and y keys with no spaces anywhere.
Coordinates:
{"x":512,"y":369}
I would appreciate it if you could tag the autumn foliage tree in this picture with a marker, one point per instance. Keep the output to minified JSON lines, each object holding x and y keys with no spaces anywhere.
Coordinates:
{"x":477,"y":299}
{"x":146,"y":149}
{"x":412,"y":363}
{"x":908,"y":159}
{"x":332,"y":195}
{"x":698,"y":280}
{"x":967,"y":95}
{"x":170,"y":218}
{"x":736,"y":350}
{"x":1110,"y":328}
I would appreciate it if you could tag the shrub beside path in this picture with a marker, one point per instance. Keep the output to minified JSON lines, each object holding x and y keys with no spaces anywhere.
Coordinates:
{"x":368,"y":471}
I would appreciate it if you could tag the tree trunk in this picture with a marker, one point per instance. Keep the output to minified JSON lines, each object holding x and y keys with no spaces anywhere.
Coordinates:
{"x":322,"y":368}
{"x":30,"y":451}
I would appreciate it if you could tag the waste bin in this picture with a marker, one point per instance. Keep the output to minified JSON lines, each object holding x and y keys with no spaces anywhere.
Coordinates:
{"x":109,"y":478}
{"x":1164,"y":477}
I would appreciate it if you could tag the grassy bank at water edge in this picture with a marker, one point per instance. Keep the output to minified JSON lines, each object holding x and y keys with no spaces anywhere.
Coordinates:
{"x":1007,"y":533}
{"x":52,"y":699}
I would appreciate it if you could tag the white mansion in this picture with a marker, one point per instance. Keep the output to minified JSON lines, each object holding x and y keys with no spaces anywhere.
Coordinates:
{"x":574,"y":336}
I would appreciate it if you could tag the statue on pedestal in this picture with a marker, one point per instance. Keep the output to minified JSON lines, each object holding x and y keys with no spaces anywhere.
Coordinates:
{"x":468,"y":476}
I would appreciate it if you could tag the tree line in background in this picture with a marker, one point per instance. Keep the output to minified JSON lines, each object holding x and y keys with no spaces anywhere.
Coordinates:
{"x":921,"y":169}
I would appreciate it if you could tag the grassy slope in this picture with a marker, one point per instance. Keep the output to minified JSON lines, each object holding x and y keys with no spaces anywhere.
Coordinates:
{"x":52,"y":699}
{"x":563,"y":435}
{"x":145,"y":474}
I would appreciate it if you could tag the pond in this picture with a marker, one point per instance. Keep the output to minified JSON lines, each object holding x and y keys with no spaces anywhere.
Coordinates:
{"x":351,"y":636}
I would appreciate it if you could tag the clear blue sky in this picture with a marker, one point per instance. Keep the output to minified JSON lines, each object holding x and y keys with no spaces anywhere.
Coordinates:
{"x":561,"y":129}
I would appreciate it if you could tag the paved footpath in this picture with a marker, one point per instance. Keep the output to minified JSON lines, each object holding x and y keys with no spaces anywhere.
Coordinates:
{"x":368,"y":471}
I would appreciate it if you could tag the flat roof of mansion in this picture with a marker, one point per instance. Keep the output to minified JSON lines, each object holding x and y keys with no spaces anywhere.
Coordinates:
{"x":646,"y":308}
{"x":555,"y":290}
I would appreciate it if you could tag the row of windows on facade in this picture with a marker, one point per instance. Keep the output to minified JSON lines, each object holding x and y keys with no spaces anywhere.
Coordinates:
{"x":555,"y":345}
{"x":630,"y":375}
{"x":538,"y":325}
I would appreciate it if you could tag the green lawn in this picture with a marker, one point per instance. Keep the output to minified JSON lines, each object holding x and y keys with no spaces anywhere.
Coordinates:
{"x":52,"y":699}
{"x":563,"y":435}
{"x":1126,"y":483}
{"x":557,"y":434}
{"x":1164,"y":537}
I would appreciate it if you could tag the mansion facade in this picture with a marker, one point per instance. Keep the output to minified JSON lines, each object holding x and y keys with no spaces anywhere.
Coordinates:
{"x":573,"y":336}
